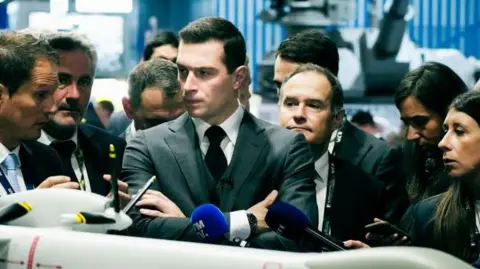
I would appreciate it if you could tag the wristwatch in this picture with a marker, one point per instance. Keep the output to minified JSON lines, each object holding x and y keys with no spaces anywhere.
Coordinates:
{"x":252,"y":221}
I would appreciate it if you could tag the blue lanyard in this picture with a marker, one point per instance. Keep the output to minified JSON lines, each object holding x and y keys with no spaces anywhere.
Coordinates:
{"x":7,"y":186}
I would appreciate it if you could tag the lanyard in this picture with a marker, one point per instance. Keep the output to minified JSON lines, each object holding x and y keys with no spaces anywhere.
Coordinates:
{"x":330,"y":187}
{"x":328,"y":203}
{"x":7,"y":186}
{"x":81,"y":161}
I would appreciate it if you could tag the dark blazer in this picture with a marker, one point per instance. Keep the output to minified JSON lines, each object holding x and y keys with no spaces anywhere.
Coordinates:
{"x":356,"y":201}
{"x":265,"y":158}
{"x":95,"y":143}
{"x":419,"y":221}
{"x":376,"y":158}
{"x":38,"y":162}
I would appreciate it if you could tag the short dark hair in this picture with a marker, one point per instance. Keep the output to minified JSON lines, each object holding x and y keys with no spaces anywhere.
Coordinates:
{"x":363,"y":118}
{"x":434,"y":84}
{"x":71,"y":41}
{"x":154,"y":72}
{"x":18,"y":55}
{"x":336,"y":100}
{"x":107,"y":105}
{"x":310,"y":46}
{"x":161,"y":39}
{"x":219,"y":29}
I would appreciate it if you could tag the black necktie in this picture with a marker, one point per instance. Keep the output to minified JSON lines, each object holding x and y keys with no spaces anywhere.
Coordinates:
{"x":215,"y":158}
{"x":65,"y":149}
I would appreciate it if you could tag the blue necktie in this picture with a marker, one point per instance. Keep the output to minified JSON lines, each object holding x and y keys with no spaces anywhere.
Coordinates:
{"x":11,"y":163}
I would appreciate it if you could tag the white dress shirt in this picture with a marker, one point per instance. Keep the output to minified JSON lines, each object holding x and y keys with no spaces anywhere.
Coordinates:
{"x":321,"y":167}
{"x":47,"y":140}
{"x":239,"y":225}
{"x":4,"y":152}
{"x":130,"y":132}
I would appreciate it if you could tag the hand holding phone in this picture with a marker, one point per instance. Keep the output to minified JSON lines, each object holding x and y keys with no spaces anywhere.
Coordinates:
{"x":382,"y":233}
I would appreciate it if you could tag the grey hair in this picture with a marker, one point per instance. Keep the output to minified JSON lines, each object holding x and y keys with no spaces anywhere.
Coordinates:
{"x":336,"y":100}
{"x":155,"y":72}
{"x":71,"y":41}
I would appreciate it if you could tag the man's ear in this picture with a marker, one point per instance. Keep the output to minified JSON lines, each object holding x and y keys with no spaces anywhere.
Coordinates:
{"x":240,"y":76}
{"x":127,"y":107}
{"x":338,"y":119}
{"x":3,"y":93}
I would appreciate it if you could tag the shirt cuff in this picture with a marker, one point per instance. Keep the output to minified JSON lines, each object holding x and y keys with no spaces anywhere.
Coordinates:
{"x":239,"y":225}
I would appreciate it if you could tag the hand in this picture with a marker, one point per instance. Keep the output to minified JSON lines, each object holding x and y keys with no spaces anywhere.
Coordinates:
{"x":260,"y":209}
{"x":387,"y":240}
{"x":163,"y":207}
{"x":58,"y":182}
{"x":354,"y":244}
{"x":122,"y":191}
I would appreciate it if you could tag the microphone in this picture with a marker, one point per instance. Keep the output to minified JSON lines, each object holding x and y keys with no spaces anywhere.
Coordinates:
{"x":292,"y":223}
{"x":211,"y":225}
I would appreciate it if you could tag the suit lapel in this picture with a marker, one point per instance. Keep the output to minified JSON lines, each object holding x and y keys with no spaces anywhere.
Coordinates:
{"x":184,"y":145}
{"x":32,"y":172}
{"x":351,"y":147}
{"x":94,"y":158}
{"x":249,"y":146}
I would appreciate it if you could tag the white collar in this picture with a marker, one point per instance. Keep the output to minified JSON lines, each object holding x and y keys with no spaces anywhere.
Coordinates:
{"x":231,"y":125}
{"x":132,"y":128}
{"x":4,"y":152}
{"x":321,"y":166}
{"x":48,"y":139}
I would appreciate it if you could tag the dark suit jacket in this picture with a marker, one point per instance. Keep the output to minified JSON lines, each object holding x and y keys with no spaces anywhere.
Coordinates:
{"x":356,"y":201}
{"x":419,"y":221}
{"x":95,"y":143}
{"x":378,"y":159}
{"x":39,"y":162}
{"x":265,"y":158}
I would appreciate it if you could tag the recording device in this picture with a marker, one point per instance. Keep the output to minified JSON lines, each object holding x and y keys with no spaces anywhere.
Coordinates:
{"x":384,"y":228}
{"x":112,"y":156}
{"x":211,"y":225}
{"x":139,"y":194}
{"x":292,"y":223}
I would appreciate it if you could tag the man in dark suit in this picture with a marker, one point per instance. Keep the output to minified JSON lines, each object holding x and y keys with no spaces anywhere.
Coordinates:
{"x":217,"y":153}
{"x":28,"y":80}
{"x":370,"y":154}
{"x":311,"y":103}
{"x":83,"y":148}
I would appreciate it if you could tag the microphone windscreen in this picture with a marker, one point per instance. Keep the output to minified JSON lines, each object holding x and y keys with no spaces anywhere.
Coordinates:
{"x":209,"y":223}
{"x":287,"y":220}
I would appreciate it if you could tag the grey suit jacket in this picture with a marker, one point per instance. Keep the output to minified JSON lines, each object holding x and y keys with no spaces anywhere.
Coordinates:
{"x":265,"y":158}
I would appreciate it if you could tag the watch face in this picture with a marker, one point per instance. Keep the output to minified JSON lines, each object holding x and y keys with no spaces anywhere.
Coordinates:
{"x":252,"y":219}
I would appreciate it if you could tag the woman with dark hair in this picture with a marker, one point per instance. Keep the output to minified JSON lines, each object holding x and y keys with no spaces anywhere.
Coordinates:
{"x":450,"y":221}
{"x":422,"y":98}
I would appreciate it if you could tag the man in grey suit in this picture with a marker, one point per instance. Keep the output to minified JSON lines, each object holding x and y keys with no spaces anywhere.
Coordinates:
{"x":217,"y":153}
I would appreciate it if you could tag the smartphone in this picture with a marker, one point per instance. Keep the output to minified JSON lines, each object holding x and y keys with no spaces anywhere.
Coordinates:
{"x":385,"y":228}
{"x":138,"y":195}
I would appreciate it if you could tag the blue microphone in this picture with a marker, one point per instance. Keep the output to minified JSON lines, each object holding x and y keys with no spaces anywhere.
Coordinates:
{"x":209,"y":223}
{"x":292,"y":223}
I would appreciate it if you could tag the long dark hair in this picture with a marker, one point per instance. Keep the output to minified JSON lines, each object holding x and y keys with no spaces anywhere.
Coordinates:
{"x":455,"y":215}
{"x":435,"y":85}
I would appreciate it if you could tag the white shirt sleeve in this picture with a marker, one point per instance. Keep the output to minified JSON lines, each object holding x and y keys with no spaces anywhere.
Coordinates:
{"x":239,"y":225}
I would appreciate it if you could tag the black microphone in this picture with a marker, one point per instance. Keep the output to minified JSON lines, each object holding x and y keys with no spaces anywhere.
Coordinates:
{"x":292,"y":223}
